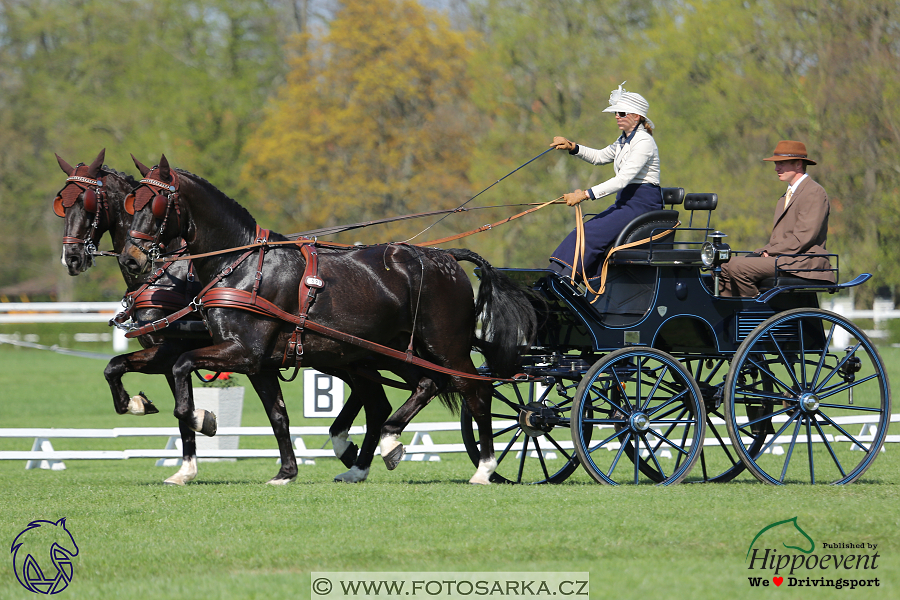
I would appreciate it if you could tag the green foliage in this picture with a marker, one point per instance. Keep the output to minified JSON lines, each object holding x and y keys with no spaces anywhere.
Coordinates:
{"x":182,"y":78}
{"x":383,"y":108}
{"x":372,"y":122}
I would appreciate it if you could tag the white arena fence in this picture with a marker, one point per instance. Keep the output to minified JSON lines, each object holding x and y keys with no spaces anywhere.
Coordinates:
{"x":420,"y":448}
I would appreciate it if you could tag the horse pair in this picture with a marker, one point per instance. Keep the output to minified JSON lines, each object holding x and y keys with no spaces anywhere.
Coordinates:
{"x":409,"y":301}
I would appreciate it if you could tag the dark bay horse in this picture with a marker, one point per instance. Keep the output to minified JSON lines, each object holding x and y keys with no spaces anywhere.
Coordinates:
{"x":416,"y":302}
{"x":92,"y":202}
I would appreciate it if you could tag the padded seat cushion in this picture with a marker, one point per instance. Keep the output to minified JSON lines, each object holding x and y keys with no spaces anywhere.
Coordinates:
{"x":664,"y":256}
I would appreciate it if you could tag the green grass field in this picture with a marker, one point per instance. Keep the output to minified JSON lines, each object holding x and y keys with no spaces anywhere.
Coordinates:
{"x":230,"y":536}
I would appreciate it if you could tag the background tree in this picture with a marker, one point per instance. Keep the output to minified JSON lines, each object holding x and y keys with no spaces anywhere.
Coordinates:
{"x":183,"y":78}
{"x":372,"y":122}
{"x":546,"y":68}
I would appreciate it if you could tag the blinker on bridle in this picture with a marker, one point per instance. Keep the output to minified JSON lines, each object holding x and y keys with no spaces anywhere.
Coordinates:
{"x":163,"y":196}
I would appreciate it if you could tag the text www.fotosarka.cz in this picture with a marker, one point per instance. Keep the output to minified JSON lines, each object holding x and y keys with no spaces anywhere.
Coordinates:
{"x":411,"y":585}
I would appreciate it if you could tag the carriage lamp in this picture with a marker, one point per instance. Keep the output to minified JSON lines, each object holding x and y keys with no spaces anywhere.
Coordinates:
{"x":713,"y":254}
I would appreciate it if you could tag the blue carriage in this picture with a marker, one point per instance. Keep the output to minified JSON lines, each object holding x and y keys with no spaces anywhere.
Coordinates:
{"x":660,"y":380}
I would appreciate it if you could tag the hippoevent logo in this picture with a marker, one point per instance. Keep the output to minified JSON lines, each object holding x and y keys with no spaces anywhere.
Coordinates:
{"x":782,"y":553}
{"x":42,"y":556}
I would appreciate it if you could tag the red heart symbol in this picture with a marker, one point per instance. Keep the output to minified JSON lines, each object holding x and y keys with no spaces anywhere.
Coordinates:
{"x":778,"y":580}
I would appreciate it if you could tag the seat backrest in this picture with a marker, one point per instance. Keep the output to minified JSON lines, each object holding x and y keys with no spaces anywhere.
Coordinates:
{"x":672,"y":196}
{"x":694,"y":202}
{"x":647,"y":225}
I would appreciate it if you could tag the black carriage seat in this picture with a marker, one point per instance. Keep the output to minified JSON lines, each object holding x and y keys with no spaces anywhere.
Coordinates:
{"x":652,"y":223}
{"x":662,"y":251}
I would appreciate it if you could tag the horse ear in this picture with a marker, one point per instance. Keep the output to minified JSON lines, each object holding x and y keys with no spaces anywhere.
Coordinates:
{"x":164,"y":171}
{"x":66,"y":167}
{"x":142,"y":168}
{"x":94,"y":169}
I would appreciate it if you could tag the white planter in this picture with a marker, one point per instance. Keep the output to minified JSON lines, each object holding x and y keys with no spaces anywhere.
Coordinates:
{"x":227,"y":403}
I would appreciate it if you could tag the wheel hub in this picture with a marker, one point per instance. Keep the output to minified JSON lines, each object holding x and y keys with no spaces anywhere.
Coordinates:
{"x":809,"y":402}
{"x":535,"y":419}
{"x":639,"y":422}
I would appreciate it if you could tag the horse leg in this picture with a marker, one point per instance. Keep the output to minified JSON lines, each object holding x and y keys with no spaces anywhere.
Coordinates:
{"x":269,"y":391}
{"x":154,"y":360}
{"x":339,"y":431}
{"x":230,"y":356}
{"x":391,"y":449}
{"x":377,"y":408}
{"x":188,"y":470}
{"x":478,"y":400}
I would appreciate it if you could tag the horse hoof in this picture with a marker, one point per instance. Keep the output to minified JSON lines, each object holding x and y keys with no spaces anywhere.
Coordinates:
{"x":354,"y":475}
{"x":349,"y":455}
{"x":485,"y":470}
{"x":280,"y":481}
{"x":185,"y":474}
{"x":205,"y":422}
{"x":393,"y":458}
{"x":140,"y":405}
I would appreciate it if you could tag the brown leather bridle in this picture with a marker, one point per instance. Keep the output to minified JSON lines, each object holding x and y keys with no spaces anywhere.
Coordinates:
{"x":163,"y":200}
{"x":94,"y":202}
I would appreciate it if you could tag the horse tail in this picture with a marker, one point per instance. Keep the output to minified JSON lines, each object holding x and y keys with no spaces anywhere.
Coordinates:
{"x":508,"y":316}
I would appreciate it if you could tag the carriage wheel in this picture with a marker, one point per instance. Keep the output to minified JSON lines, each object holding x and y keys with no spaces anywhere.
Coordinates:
{"x":527,"y":450}
{"x":718,"y":462}
{"x":644,"y":405}
{"x":807,"y":399}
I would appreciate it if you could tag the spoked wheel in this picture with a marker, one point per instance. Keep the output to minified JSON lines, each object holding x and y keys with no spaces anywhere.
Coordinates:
{"x":532,"y":445}
{"x":718,"y":460}
{"x":807,"y":399}
{"x":645,"y":406}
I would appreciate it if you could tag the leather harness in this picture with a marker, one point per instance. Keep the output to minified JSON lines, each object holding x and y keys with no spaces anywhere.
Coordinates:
{"x":226,"y":297}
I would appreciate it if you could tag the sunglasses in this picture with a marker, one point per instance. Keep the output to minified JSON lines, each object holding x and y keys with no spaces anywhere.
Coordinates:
{"x":621,"y":115}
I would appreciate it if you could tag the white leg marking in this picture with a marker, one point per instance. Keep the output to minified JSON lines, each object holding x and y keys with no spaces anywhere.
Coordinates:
{"x":185,"y":474}
{"x":388,"y":443}
{"x":340,"y":443}
{"x":486,"y":468}
{"x":280,"y":481}
{"x":136,"y":406}
{"x":354,"y":475}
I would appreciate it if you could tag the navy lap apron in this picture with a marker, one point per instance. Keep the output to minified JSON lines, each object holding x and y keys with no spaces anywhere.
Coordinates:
{"x":602,"y":230}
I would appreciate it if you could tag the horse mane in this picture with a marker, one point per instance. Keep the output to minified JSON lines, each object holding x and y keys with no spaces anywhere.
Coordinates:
{"x":105,"y":169}
{"x":242,"y":215}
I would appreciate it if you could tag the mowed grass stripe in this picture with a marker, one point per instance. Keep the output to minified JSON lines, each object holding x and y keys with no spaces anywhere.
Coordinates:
{"x":230,"y":536}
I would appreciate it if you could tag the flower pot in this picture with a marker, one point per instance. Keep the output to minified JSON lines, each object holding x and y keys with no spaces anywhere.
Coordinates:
{"x":227,"y":403}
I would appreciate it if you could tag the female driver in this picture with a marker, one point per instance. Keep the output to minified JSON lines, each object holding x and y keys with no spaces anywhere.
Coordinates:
{"x":635,"y":159}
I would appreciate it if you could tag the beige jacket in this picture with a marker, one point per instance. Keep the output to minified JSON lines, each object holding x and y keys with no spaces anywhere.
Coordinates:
{"x":802,"y":229}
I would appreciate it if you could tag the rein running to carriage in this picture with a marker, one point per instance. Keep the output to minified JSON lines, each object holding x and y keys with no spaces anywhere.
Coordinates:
{"x":222,"y":297}
{"x":163,"y":203}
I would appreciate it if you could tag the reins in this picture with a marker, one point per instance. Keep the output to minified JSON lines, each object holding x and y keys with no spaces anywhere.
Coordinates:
{"x":293,"y":241}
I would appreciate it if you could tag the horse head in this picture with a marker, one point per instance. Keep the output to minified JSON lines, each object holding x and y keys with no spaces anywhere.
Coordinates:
{"x":82,"y":202}
{"x":157,"y":216}
{"x":43,"y":543}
